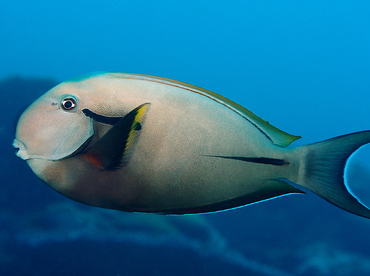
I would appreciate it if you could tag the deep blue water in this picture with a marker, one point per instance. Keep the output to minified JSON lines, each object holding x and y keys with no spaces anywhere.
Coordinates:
{"x":302,"y":65}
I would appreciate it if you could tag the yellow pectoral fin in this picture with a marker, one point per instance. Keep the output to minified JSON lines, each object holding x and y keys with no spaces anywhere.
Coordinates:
{"x":110,"y":151}
{"x":136,"y":125}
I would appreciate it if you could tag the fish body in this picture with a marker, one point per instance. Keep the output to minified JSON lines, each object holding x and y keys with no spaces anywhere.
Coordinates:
{"x":147,"y":144}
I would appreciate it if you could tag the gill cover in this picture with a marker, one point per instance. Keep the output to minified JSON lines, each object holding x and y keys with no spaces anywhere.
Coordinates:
{"x":52,"y":128}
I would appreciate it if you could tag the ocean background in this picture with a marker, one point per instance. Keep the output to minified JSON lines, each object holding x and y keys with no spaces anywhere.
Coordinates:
{"x":304,"y":66}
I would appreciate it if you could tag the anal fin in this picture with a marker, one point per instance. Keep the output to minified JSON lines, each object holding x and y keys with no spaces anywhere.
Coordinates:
{"x":271,"y":189}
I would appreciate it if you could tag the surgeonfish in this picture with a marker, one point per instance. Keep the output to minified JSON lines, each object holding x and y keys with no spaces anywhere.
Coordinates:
{"x":140,"y":143}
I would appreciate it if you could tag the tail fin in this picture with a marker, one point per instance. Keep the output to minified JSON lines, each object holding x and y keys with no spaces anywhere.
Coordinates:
{"x":324,"y":171}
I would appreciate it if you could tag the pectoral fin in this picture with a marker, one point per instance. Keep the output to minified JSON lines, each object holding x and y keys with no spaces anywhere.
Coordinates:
{"x":109,"y":152}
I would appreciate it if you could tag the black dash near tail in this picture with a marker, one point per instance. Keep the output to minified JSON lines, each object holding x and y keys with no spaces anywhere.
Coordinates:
{"x":260,"y":160}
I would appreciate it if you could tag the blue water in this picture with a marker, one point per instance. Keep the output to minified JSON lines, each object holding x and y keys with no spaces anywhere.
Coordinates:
{"x":302,"y":65}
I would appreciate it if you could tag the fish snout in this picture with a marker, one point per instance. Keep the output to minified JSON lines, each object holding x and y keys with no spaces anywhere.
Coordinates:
{"x":22,"y":149}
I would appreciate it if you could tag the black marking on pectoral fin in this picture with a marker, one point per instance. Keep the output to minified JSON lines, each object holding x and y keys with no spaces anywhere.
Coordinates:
{"x":100,"y":118}
{"x":260,"y":160}
{"x":109,"y":152}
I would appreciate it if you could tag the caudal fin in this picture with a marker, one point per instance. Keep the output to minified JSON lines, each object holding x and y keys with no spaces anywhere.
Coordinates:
{"x":324,"y":170}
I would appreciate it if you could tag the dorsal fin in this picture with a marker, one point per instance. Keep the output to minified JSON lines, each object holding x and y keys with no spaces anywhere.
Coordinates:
{"x":277,"y":136}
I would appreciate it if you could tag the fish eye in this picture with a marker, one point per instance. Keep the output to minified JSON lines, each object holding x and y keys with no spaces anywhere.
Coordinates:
{"x":68,"y":103}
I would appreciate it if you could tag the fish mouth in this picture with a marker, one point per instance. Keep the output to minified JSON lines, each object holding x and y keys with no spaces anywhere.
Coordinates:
{"x":22,"y":149}
{"x":23,"y":153}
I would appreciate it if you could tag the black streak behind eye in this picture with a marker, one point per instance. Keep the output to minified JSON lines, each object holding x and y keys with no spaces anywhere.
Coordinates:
{"x":101,"y":118}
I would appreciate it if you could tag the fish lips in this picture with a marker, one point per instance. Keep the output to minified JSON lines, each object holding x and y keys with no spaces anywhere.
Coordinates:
{"x":23,"y":154}
{"x":22,"y":149}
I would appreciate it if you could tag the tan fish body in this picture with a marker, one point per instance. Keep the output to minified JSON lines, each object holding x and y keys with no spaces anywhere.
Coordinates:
{"x":147,"y":144}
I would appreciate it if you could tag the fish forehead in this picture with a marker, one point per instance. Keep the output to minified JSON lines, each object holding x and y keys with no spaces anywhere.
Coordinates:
{"x":110,"y":95}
